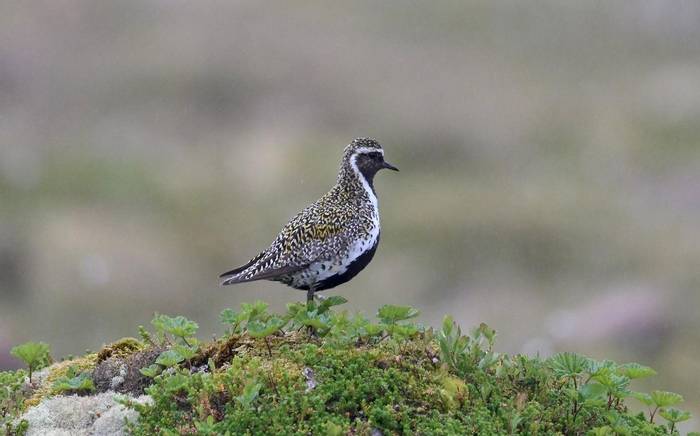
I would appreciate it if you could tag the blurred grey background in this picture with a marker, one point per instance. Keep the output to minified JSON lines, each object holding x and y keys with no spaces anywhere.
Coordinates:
{"x":549,"y":155}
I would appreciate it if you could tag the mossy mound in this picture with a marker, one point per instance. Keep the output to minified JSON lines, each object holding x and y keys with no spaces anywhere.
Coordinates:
{"x":321,"y":372}
{"x":120,"y":349}
{"x":390,"y":387}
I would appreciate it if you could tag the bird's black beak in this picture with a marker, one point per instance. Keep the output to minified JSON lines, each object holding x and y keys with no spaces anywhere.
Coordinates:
{"x":389,"y":166}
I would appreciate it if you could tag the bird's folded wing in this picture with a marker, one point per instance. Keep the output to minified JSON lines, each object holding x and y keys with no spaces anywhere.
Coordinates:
{"x":241,"y":277}
{"x":276,"y":272}
{"x":307,"y":238}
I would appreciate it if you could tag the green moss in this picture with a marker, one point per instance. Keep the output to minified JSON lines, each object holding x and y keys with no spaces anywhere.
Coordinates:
{"x":120,"y":349}
{"x":411,"y":381}
{"x":359,"y":390}
{"x":58,"y":371}
{"x":354,"y":376}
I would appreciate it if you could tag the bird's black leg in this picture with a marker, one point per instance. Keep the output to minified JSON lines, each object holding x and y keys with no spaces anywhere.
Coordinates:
{"x":309,"y":299}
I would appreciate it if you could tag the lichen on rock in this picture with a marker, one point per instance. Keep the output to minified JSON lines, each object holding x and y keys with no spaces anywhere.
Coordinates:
{"x":96,"y":415}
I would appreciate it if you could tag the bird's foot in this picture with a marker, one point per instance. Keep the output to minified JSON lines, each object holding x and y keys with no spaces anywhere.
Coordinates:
{"x":312,"y":332}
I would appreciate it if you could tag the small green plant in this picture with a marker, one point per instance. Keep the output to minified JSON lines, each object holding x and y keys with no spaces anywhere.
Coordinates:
{"x":74,"y":382}
{"x":206,"y":427}
{"x":657,"y":400}
{"x":464,"y":354}
{"x":152,"y":370}
{"x":188,"y":352}
{"x":674,"y":416}
{"x":178,"y":335}
{"x":12,"y":396}
{"x":254,"y":320}
{"x":602,"y":431}
{"x":34,"y":354}
{"x":179,"y":327}
{"x":391,"y":318}
{"x":356,"y":329}
{"x":569,"y":366}
{"x":250,"y":394}
{"x":316,"y":316}
{"x":635,"y":371}
{"x":169,"y":358}
{"x":389,"y":314}
{"x":249,"y":313}
{"x":262,"y":329}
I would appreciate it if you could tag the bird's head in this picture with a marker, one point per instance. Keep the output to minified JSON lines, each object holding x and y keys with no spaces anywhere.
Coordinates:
{"x":366,"y":157}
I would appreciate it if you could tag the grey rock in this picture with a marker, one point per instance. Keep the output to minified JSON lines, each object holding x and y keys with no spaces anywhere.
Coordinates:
{"x":124,"y":375}
{"x":97,"y":415}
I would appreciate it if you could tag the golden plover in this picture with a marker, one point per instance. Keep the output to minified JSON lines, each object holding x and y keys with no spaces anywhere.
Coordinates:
{"x":331,"y":241}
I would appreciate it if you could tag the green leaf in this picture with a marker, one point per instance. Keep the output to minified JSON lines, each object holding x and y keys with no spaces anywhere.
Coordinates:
{"x":169,"y":358}
{"x":402,"y":331}
{"x":254,"y":311}
{"x":178,"y":326}
{"x":229,"y":316}
{"x":592,"y":391}
{"x":293,"y":309}
{"x":487,"y":332}
{"x":250,"y":394}
{"x":643,"y":398}
{"x":674,"y":415}
{"x":207,"y":427}
{"x":329,"y":302}
{"x":187,"y":352}
{"x":601,"y":431}
{"x":333,"y":429}
{"x":448,"y":324}
{"x":258,"y":329}
{"x":308,"y":315}
{"x":635,"y":371}
{"x":73,"y":382}
{"x":176,"y":383}
{"x":568,"y":364}
{"x":317,"y":323}
{"x":372,"y":329}
{"x":665,"y":399}
{"x":392,"y":314}
{"x":151,"y":371}
{"x":617,"y":385}
{"x":598,"y":367}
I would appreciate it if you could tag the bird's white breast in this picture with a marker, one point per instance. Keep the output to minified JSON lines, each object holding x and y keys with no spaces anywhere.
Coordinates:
{"x":337,"y":266}
{"x":360,"y":246}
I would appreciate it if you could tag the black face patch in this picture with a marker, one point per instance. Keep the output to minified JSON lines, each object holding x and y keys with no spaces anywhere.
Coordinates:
{"x":368,"y":164}
{"x":369,"y":160}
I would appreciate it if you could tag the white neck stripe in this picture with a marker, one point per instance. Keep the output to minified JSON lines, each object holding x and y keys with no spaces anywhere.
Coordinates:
{"x":365,"y":185}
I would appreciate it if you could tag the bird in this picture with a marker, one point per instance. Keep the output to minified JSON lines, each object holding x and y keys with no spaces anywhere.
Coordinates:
{"x":332,"y":240}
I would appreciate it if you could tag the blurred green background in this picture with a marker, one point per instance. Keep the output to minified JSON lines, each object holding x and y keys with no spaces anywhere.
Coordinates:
{"x":549,"y":155}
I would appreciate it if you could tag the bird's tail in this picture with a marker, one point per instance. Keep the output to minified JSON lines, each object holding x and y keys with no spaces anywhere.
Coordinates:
{"x":235,"y":275}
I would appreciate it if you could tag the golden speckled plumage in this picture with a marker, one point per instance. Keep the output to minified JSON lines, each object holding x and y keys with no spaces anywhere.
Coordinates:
{"x":326,"y":243}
